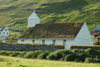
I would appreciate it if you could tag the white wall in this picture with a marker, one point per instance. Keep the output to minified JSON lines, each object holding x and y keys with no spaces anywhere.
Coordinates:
{"x":48,"y":41}
{"x":4,"y":34}
{"x":69,"y":44}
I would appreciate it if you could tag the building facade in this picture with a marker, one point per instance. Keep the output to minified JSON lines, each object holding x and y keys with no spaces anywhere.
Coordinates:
{"x":4,"y":33}
{"x":96,"y":34}
{"x":66,"y":34}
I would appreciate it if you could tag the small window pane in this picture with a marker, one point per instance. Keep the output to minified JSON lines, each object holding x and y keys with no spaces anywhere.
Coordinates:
{"x":33,"y":41}
{"x":43,"y":41}
{"x":54,"y":41}
{"x":22,"y":39}
{"x":64,"y":41}
{"x":3,"y":32}
{"x":5,"y":29}
{"x":7,"y":33}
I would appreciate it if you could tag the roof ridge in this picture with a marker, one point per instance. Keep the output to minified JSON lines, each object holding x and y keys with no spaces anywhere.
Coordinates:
{"x":63,"y":23}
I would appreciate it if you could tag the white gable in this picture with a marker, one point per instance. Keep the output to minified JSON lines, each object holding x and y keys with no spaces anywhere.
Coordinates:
{"x":83,"y":38}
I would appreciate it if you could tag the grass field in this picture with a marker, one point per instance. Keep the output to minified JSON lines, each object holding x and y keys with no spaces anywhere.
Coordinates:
{"x":14,"y":13}
{"x":19,"y":62}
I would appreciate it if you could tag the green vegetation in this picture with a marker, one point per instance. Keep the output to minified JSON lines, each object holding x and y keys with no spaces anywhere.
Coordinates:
{"x":81,"y":57}
{"x":70,"y":57}
{"x":97,"y":47}
{"x":12,"y":53}
{"x":59,"y":54}
{"x":92,"y":60}
{"x":89,"y":55}
{"x":43,"y":55}
{"x":14,"y":13}
{"x":19,"y":62}
{"x":33,"y":54}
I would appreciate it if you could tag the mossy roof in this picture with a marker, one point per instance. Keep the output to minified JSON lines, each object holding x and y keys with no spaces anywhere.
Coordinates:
{"x":53,"y":30}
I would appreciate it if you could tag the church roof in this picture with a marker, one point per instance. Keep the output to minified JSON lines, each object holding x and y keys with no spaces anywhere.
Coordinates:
{"x":97,"y":28}
{"x":33,"y":16}
{"x":53,"y":30}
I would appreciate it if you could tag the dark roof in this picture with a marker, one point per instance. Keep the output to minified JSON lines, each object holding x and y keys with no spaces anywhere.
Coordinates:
{"x":97,"y":28}
{"x":53,"y":30}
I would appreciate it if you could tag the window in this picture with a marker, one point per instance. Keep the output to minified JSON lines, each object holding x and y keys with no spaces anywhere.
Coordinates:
{"x":64,"y":42}
{"x":5,"y":29}
{"x":33,"y":41}
{"x":22,"y":39}
{"x":54,"y":42}
{"x":7,"y":33}
{"x":43,"y":41}
{"x":3,"y":32}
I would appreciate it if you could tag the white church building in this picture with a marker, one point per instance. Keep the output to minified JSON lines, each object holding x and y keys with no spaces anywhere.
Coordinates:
{"x":4,"y":33}
{"x":67,"y":34}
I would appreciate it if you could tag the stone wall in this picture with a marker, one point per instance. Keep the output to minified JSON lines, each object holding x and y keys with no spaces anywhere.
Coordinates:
{"x":11,"y":47}
{"x":85,"y":47}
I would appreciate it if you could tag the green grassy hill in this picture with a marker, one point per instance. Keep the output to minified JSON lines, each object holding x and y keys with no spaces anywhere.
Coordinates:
{"x":19,"y":62}
{"x":14,"y":13}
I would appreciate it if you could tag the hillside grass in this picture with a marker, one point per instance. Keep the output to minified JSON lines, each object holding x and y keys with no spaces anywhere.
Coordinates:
{"x":14,"y":13}
{"x":19,"y":62}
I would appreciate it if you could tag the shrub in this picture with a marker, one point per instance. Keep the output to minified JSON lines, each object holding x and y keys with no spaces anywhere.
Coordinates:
{"x":65,"y":52}
{"x":43,"y":55}
{"x":93,"y":52}
{"x":97,"y":43}
{"x":70,"y":57}
{"x":75,"y":50}
{"x":51,"y":56}
{"x":59,"y":54}
{"x":81,"y":57}
{"x":29,"y":55}
{"x":21,"y":55}
{"x":14,"y":54}
{"x":32,"y":54}
{"x":92,"y":60}
{"x":5,"y":53}
{"x":98,"y":56}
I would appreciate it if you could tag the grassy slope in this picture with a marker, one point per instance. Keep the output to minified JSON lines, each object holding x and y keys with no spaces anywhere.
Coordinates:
{"x":18,"y":62}
{"x":14,"y":13}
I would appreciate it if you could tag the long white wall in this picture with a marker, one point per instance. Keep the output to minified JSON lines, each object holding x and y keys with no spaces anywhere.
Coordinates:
{"x":48,"y":41}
